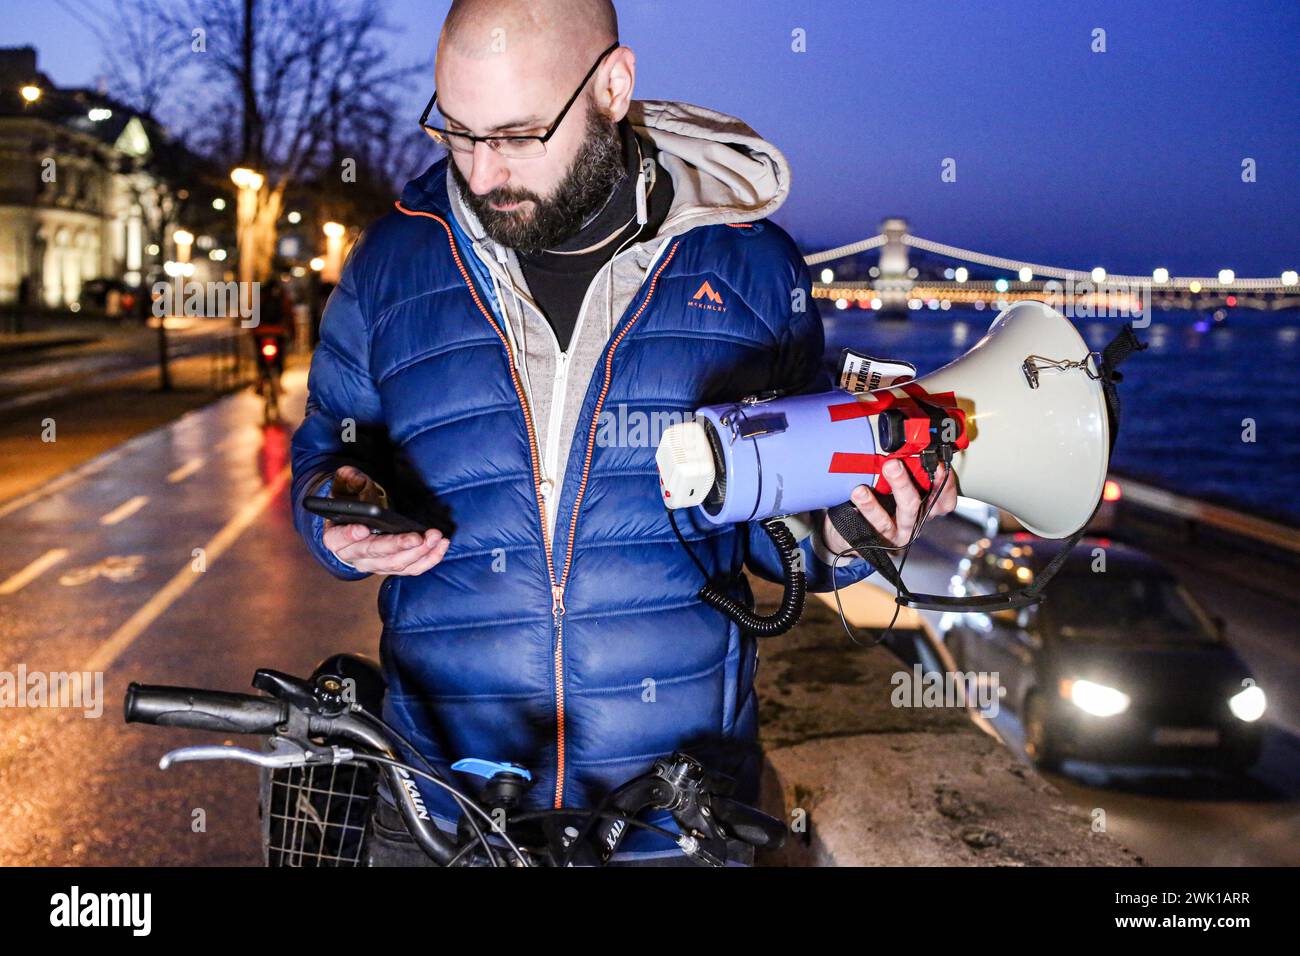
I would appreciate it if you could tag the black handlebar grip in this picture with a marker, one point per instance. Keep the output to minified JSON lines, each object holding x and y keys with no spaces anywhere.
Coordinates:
{"x":748,"y":825}
{"x":203,"y":709}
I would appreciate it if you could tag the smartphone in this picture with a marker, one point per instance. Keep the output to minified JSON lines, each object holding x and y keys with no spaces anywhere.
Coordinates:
{"x":351,"y":511}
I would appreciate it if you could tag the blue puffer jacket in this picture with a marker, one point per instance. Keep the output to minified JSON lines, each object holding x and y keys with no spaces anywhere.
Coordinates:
{"x":585,"y":657}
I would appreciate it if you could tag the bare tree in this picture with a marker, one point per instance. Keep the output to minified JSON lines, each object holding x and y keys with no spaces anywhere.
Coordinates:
{"x":282,"y":85}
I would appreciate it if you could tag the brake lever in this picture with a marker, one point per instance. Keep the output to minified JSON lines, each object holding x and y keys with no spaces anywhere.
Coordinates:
{"x":296,"y":758}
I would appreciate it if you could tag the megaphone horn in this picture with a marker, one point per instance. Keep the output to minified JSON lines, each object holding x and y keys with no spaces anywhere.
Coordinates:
{"x":1022,"y":417}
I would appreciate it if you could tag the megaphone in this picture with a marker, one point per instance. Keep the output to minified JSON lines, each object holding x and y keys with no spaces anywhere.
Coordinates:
{"x":1022,"y":417}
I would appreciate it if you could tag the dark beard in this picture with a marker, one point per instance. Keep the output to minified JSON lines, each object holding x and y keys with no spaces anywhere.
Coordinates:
{"x":596,"y":169}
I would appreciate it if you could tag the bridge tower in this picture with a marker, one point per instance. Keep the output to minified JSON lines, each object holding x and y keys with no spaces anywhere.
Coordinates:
{"x":893,"y":284}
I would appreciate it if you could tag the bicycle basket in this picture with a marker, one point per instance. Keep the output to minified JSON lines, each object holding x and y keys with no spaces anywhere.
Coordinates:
{"x":316,"y":816}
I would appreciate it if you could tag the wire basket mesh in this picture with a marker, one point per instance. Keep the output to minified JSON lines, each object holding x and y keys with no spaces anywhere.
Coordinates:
{"x":316,"y":816}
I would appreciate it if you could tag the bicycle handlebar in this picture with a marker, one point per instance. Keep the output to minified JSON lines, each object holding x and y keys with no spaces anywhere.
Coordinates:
{"x":203,"y":709}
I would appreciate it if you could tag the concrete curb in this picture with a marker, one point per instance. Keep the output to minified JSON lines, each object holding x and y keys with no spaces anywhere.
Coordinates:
{"x":872,"y":784}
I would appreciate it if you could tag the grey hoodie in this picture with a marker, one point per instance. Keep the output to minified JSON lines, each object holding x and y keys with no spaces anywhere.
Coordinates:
{"x":722,"y":171}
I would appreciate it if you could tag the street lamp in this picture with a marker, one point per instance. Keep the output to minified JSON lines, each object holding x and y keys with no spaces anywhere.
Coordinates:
{"x":334,"y":233}
{"x":250,"y":183}
{"x":31,"y":93}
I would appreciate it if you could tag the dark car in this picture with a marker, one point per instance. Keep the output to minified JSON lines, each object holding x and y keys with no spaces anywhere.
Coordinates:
{"x":1118,"y":664}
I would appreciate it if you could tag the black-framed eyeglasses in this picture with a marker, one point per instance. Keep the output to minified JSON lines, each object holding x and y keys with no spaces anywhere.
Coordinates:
{"x":512,"y":147}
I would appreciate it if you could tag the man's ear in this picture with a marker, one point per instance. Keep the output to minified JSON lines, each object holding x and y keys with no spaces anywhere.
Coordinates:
{"x":615,"y":83}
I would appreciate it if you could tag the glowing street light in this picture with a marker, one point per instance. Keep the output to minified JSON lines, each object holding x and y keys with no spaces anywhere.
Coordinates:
{"x":1099,"y":275}
{"x":961,"y":274}
{"x":1026,"y":274}
{"x":1290,"y":277}
{"x":294,"y":217}
{"x":828,"y":275}
{"x":1226,"y":276}
{"x":1193,"y":287}
{"x":246,"y":178}
{"x":317,"y":264}
{"x":218,"y":204}
{"x":31,"y":93}
{"x":334,"y":232}
{"x":1160,"y":276}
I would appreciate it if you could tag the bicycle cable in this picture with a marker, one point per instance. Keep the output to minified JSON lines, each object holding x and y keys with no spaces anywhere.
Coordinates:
{"x":460,"y":798}
{"x":387,"y":761}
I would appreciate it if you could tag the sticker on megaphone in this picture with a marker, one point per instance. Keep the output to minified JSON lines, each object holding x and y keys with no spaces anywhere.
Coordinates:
{"x":865,"y":373}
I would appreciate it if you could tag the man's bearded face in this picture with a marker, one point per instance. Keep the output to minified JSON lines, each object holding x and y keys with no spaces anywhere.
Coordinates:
{"x":541,"y":223}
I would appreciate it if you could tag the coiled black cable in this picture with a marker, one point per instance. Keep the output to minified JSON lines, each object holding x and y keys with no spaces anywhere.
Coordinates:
{"x":792,"y":599}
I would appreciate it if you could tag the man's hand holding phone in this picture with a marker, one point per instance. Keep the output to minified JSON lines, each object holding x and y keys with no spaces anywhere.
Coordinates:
{"x":358,"y":547}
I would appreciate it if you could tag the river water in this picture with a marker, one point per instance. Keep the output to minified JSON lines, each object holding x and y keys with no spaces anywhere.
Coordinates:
{"x":1189,"y":400}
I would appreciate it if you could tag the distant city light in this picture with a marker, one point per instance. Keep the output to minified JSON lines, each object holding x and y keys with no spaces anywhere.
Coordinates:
{"x":1290,"y":277}
{"x":1160,"y":276}
{"x":912,"y":273}
{"x":1001,"y":285}
{"x":1226,"y":276}
{"x":1026,"y":274}
{"x":334,"y":230}
{"x":948,"y":273}
{"x":218,"y":204}
{"x":1099,"y":275}
{"x":914,"y":304}
{"x":99,"y":113}
{"x":874,"y":272}
{"x":152,"y":248}
{"x":31,"y":93}
{"x":299,"y":272}
{"x":295,"y":217}
{"x":828,"y":275}
{"x":841,"y":303}
{"x":217,"y":255}
{"x":876,"y":303}
{"x":1193,"y":287}
{"x":183,"y":237}
{"x":317,"y":264}
{"x":961,"y":274}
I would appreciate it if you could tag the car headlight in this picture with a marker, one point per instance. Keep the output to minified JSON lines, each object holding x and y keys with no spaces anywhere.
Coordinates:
{"x":1096,"y":699}
{"x":1248,"y":705}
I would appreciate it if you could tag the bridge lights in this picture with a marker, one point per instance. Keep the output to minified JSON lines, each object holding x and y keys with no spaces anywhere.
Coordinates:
{"x":961,"y":274}
{"x":1226,"y":276}
{"x":1002,"y":285}
{"x":828,"y":276}
{"x":1026,"y":274}
{"x":1160,"y":276}
{"x":1098,"y":275}
{"x":1289,"y":277}
{"x":1193,"y":287}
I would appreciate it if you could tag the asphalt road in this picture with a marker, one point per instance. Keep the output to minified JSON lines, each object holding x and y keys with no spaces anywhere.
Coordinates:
{"x":1171,"y":817}
{"x":101,"y":574}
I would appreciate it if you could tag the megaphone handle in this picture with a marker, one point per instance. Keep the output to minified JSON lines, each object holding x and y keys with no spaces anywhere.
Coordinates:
{"x":853,"y":528}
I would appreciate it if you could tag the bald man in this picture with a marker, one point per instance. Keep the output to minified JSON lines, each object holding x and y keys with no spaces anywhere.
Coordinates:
{"x":498,"y":360}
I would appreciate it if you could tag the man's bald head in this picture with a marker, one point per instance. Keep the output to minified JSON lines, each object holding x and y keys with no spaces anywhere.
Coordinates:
{"x":559,"y":30}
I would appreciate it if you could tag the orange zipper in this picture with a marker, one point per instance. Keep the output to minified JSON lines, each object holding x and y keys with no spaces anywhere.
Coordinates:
{"x":557,"y":589}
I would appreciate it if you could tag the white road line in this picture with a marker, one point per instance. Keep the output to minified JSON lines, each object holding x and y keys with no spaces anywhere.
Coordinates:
{"x":125,"y":510}
{"x":34,"y":570}
{"x":184,"y":579}
{"x":185,"y":470}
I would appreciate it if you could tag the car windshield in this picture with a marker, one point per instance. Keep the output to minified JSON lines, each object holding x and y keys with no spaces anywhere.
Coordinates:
{"x":1123,"y":608}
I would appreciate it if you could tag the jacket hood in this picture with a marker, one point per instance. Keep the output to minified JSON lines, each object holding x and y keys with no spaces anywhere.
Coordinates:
{"x":722,"y":170}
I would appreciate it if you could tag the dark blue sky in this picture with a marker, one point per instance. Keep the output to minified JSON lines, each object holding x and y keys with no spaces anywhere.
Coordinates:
{"x":1127,"y":159}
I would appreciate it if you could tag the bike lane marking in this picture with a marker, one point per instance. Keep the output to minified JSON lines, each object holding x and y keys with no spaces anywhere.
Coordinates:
{"x":33,"y":571}
{"x":124,"y":510}
{"x":185,"y":470}
{"x":185,"y":578}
